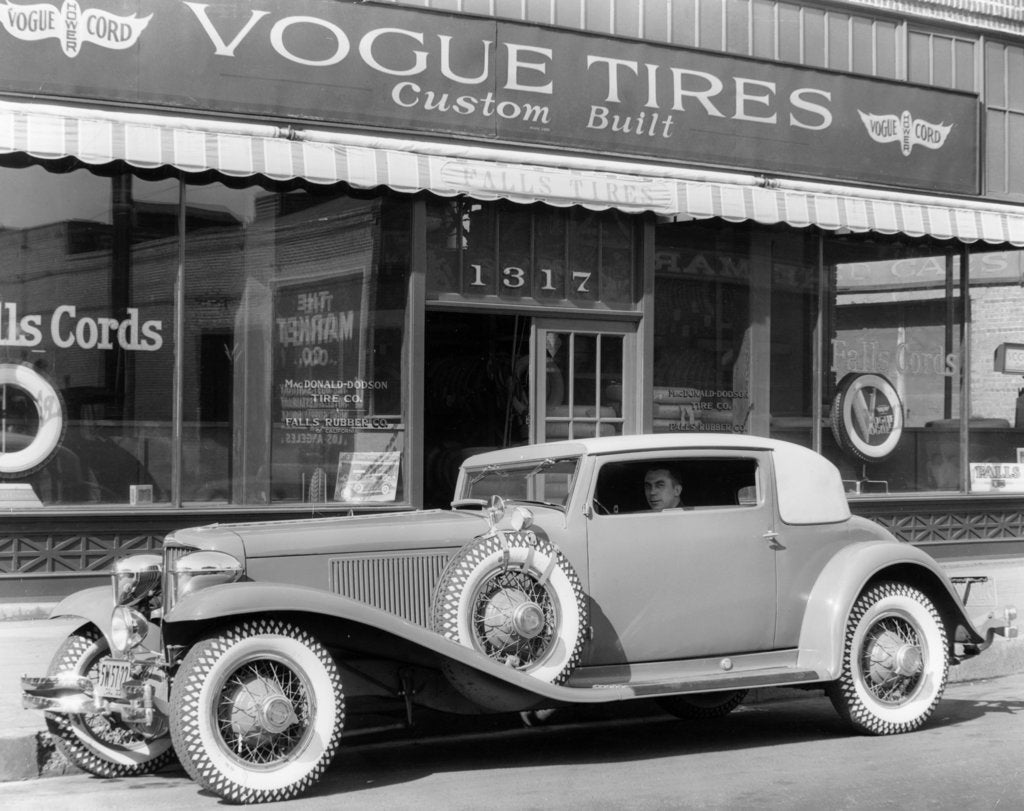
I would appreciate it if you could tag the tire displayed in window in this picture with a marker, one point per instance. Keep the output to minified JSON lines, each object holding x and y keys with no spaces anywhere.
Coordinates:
{"x":40,"y":442}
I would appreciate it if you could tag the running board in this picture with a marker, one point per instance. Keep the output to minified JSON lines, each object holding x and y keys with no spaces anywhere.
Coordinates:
{"x":774,"y":677}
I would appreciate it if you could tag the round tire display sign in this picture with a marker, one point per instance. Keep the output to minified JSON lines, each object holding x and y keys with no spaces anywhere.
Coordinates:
{"x":867,"y":416}
{"x":31,"y":420}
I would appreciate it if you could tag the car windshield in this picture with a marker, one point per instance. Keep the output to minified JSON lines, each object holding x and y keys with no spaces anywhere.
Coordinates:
{"x":544,"y":480}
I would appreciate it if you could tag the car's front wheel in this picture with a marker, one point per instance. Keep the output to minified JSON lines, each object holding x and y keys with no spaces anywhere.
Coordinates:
{"x":97,"y":743}
{"x":895,"y":661}
{"x":257,"y":711}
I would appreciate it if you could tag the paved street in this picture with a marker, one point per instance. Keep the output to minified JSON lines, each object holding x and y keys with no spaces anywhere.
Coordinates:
{"x":792,"y":754}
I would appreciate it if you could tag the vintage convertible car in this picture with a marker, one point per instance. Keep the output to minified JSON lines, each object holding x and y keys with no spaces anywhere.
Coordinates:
{"x":550,"y":582}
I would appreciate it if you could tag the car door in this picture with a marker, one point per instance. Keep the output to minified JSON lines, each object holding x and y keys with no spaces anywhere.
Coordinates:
{"x":682,"y":583}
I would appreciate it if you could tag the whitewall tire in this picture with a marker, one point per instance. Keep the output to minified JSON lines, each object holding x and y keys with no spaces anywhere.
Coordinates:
{"x":895,"y":661}
{"x":257,"y":711}
{"x":516,"y":599}
{"x":50,"y":414}
{"x":96,"y":743}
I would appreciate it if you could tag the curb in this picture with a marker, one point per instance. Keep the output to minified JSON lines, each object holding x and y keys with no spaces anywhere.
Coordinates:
{"x":25,"y":611}
{"x":31,"y":756}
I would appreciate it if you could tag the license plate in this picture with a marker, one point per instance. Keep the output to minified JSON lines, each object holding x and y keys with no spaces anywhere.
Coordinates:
{"x":113,"y":675}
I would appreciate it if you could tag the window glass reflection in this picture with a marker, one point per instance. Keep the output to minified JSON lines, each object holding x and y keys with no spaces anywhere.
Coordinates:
{"x":293,"y":348}
{"x":894,"y":365}
{"x":88,"y":309}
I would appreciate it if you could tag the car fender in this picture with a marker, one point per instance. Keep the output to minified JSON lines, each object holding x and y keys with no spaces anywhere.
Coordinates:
{"x":222,"y":602}
{"x":842,"y":580}
{"x":95,"y":606}
{"x":92,"y":605}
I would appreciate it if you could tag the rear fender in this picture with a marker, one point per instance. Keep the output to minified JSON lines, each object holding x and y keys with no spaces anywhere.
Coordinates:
{"x":843,"y":580}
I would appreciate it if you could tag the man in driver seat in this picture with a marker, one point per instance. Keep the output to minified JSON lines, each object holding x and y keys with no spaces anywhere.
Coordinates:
{"x":663,"y":488}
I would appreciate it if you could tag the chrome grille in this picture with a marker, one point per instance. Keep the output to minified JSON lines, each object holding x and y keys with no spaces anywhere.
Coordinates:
{"x":171,"y":554}
{"x":401,"y":583}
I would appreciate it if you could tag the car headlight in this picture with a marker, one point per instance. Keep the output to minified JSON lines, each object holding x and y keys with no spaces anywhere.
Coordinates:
{"x":200,"y":570}
{"x":127,"y":628}
{"x":135,"y":578}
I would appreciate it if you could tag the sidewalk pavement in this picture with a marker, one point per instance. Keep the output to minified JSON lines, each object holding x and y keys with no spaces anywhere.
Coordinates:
{"x":28,"y":640}
{"x":26,"y":646}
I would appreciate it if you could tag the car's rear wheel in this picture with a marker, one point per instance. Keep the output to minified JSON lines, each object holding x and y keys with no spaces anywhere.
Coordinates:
{"x":103,"y":744}
{"x":518,"y":601}
{"x":703,"y":705}
{"x":257,"y":711}
{"x":895,"y":661}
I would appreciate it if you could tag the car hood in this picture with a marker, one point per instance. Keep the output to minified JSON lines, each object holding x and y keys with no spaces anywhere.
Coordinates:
{"x":422,"y":529}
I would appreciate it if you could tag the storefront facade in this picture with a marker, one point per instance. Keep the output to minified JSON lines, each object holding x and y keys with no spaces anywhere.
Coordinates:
{"x":306,"y":257}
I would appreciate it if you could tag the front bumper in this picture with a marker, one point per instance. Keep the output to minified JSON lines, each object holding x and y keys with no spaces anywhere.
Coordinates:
{"x":134,"y":689}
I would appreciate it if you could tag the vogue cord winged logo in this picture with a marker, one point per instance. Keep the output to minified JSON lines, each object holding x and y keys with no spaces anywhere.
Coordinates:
{"x":906,"y":130}
{"x":71,"y":25}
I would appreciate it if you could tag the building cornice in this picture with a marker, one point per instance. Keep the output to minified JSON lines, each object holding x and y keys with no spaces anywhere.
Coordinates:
{"x":1002,"y":16}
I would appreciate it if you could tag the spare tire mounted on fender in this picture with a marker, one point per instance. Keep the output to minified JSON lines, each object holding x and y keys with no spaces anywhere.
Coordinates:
{"x":516,"y":599}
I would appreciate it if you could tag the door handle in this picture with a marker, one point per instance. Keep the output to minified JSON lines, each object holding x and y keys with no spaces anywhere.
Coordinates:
{"x":773,"y":540}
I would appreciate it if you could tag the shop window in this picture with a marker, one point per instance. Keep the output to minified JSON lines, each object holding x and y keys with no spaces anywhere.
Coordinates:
{"x":995,"y":446}
{"x":895,"y":365}
{"x":702,"y":323}
{"x":294,"y":333}
{"x":86,"y":337}
{"x":792,"y":305}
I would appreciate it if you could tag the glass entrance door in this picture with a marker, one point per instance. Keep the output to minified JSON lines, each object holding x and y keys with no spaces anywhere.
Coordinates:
{"x":584,"y":379}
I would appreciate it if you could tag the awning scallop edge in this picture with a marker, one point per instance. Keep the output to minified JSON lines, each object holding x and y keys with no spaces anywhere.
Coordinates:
{"x":192,"y":145}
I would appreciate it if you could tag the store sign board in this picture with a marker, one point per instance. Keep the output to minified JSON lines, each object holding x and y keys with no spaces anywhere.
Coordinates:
{"x":867,"y":416}
{"x":1009,"y":359}
{"x":995,"y":477}
{"x":928,"y":272}
{"x":328,"y":63}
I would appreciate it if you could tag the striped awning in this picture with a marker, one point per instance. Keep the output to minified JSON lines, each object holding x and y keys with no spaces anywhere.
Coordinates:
{"x":192,"y":145}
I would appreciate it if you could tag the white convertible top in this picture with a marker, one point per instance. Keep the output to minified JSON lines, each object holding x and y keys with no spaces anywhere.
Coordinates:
{"x":810,"y":488}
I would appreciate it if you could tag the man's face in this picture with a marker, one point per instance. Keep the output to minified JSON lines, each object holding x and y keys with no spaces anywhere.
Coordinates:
{"x":661,"y":490}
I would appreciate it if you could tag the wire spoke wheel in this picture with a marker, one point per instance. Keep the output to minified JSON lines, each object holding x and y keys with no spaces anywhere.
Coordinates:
{"x":257,"y":711}
{"x":891,"y":660}
{"x":895,"y":661}
{"x":101,"y":744}
{"x":514,"y":618}
{"x":264,"y":712}
{"x":516,"y":599}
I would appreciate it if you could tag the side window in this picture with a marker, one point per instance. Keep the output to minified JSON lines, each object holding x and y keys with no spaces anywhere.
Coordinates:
{"x":653,"y":484}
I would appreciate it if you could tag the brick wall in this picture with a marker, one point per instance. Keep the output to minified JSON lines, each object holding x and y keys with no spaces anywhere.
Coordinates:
{"x":997,"y":316}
